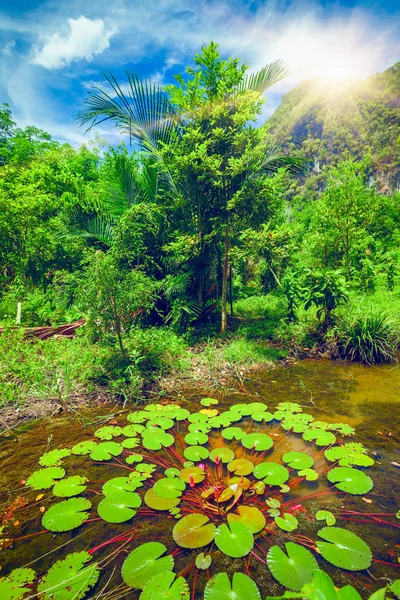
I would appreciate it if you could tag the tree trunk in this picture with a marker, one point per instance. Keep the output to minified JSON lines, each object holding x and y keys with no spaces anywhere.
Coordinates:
{"x":224,"y":281}
{"x":230,"y":289}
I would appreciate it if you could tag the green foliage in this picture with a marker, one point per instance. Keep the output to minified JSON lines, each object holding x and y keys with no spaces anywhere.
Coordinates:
{"x":327,"y":290}
{"x":145,"y":562}
{"x":241,"y":587}
{"x":66,"y":515}
{"x":13,"y":587}
{"x":69,"y":578}
{"x":293,"y":569}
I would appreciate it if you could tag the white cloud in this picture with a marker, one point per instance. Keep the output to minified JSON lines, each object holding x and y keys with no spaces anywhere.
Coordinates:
{"x":8,"y":48}
{"x":86,"y":38}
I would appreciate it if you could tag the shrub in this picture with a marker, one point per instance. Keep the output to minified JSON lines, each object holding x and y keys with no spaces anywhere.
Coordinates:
{"x":367,"y":338}
{"x":270,"y":306}
{"x":244,"y":352}
{"x":157,"y":349}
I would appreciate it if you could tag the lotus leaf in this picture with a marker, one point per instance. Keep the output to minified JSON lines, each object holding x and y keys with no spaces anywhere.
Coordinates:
{"x":257,"y":441}
{"x":250,"y":516}
{"x":181,"y":414}
{"x":196,"y":453}
{"x":291,"y":407}
{"x":196,"y":438}
{"x":108,"y":432}
{"x":145,"y":468}
{"x":70,"y":578}
{"x":242,"y":588}
{"x":171,"y":472}
{"x":350,"y":480}
{"x":241,"y":481}
{"x":118,"y":507}
{"x":118,"y":484}
{"x":298,"y":460}
{"x":210,"y":412}
{"x":130,"y":443}
{"x":83,"y":448}
{"x":262,"y":416}
{"x":54,"y":457}
{"x":293,"y":569}
{"x":322,"y":438}
{"x":233,"y":433}
{"x":133,"y":430}
{"x":164,"y":586}
{"x":13,"y":587}
{"x":144,"y":563}
{"x":309,"y":474}
{"x":162,"y":422}
{"x":133,"y":458}
{"x":208,"y":401}
{"x":66,"y":515}
{"x":45,"y":478}
{"x":203,"y":561}
{"x":234,"y":541}
{"x":259,"y":487}
{"x":105,"y":451}
{"x":288,"y":522}
{"x":198,"y":418}
{"x":327,"y":516}
{"x":169,"y":487}
{"x":344,"y":549}
{"x":194,"y":531}
{"x":71,"y":486}
{"x":155,"y":439}
{"x":244,"y":410}
{"x":241,"y":466}
{"x":272,"y":503}
{"x":156,"y":502}
{"x":222,"y":454}
{"x":272,"y":473}
{"x":137,"y":417}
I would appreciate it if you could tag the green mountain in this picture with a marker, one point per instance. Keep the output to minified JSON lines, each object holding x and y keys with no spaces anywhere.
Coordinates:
{"x":326,"y":120}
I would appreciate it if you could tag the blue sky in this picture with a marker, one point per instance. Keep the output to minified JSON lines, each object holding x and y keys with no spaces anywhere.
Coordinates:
{"x":52,"y":52}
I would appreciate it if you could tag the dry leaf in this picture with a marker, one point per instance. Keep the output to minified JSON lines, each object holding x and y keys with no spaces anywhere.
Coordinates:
{"x":39,"y":497}
{"x":367,"y":500}
{"x":42,"y":509}
{"x":16,"y":523}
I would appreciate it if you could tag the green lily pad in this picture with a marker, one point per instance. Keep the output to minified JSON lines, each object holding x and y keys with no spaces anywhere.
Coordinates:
{"x":272,"y":473}
{"x":242,"y":588}
{"x":262,"y":416}
{"x":322,"y":438}
{"x":119,"y":507}
{"x":171,"y":472}
{"x":234,"y":541}
{"x":133,"y":458}
{"x":202,"y":427}
{"x":45,"y":478}
{"x":198,"y":418}
{"x":196,"y":438}
{"x":164,"y":586}
{"x":194,"y":531}
{"x":244,"y":410}
{"x":130,"y":443}
{"x":272,"y":503}
{"x":223,"y":455}
{"x":108,"y":432}
{"x":195,"y":474}
{"x":327,"y":516}
{"x":133,"y":429}
{"x":83,"y":448}
{"x":13,"y":587}
{"x":155,"y":439}
{"x":309,"y":474}
{"x":66,"y":515}
{"x":250,"y":516}
{"x":350,"y":480}
{"x":395,"y":588}
{"x":257,"y":441}
{"x":105,"y":451}
{"x":196,"y":453}
{"x":233,"y":433}
{"x":162,"y":422}
{"x":156,"y":502}
{"x":54,"y":457}
{"x":288,"y":522}
{"x":71,"y":486}
{"x":208,"y":402}
{"x":298,"y":460}
{"x":144,"y":563}
{"x":344,"y":549}
{"x":70,"y":578}
{"x":137,"y":417}
{"x":118,"y":484}
{"x":203,"y":561}
{"x":241,"y":466}
{"x":169,"y":487}
{"x":293,"y":569}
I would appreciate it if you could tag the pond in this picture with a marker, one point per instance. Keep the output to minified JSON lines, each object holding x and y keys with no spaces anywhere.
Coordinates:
{"x":244,"y":478}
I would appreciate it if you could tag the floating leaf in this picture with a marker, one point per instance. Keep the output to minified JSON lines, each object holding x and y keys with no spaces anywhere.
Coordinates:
{"x":288,"y":522}
{"x":66,"y":515}
{"x":210,"y":412}
{"x":208,"y":401}
{"x":250,"y":516}
{"x":395,"y":588}
{"x":164,"y":586}
{"x":83,"y":448}
{"x":194,"y":531}
{"x":162,"y":422}
{"x":13,"y":587}
{"x":196,"y":438}
{"x":144,"y":563}
{"x":257,"y":441}
{"x":171,"y":472}
{"x":119,"y":506}
{"x":241,"y":466}
{"x":344,"y":549}
{"x":54,"y":457}
{"x":202,"y":427}
{"x":262,"y":416}
{"x":155,"y":439}
{"x":203,"y":561}
{"x":130,"y":443}
{"x":272,"y":473}
{"x":327,"y":516}
{"x":156,"y":502}
{"x":350,"y":480}
{"x":105,"y":451}
{"x":272,"y":503}
{"x":108,"y":432}
{"x":70,"y":578}
{"x":322,"y":438}
{"x":133,"y":458}
{"x":169,"y":487}
{"x":233,"y":433}
{"x":234,"y":541}
{"x":298,"y":460}
{"x":133,"y":429}
{"x":198,"y":418}
{"x":137,"y":417}
{"x":293,"y":569}
{"x":223,"y":454}
{"x":196,"y":453}
{"x":45,"y":478}
{"x":242,"y":588}
{"x":71,"y":486}
{"x":309,"y":474}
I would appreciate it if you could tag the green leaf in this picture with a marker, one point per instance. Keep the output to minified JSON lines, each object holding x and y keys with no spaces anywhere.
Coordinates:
{"x":45,"y":478}
{"x":133,"y":429}
{"x":160,"y":421}
{"x":83,"y":448}
{"x":169,"y":487}
{"x":13,"y":587}
{"x":144,"y":563}
{"x":262,"y":416}
{"x":250,"y":516}
{"x":133,"y":458}
{"x":54,"y":457}
{"x":272,"y":473}
{"x":241,"y":466}
{"x":344,"y":549}
{"x":395,"y":588}
{"x":66,"y":515}
{"x":326,"y":515}
{"x":233,"y":433}
{"x":208,"y":402}
{"x":196,"y":453}
{"x":119,"y":507}
{"x":288,"y":522}
{"x":71,"y":486}
{"x":108,"y":432}
{"x":156,"y":502}
{"x":196,"y":438}
{"x":322,"y":438}
{"x":130,"y":443}
{"x":309,"y":474}
{"x":242,"y":588}
{"x":257,"y":441}
{"x":155,"y":439}
{"x":222,"y":454}
{"x":293,"y":569}
{"x":105,"y":451}
{"x":203,"y":561}
{"x":118,"y":484}
{"x":298,"y":460}
{"x":234,"y":541}
{"x":194,"y":473}
{"x":350,"y":480}
{"x":69,"y":578}
{"x":194,"y":531}
{"x":164,"y":586}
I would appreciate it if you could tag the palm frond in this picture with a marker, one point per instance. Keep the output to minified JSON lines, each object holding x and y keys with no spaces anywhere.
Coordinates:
{"x":265,"y":78}
{"x":273,"y":159}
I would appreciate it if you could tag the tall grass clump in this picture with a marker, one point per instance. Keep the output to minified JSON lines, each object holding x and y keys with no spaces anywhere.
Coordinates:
{"x":368,"y":338}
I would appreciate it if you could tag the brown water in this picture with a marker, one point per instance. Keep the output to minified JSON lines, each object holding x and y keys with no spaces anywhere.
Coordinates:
{"x":368,"y":398}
